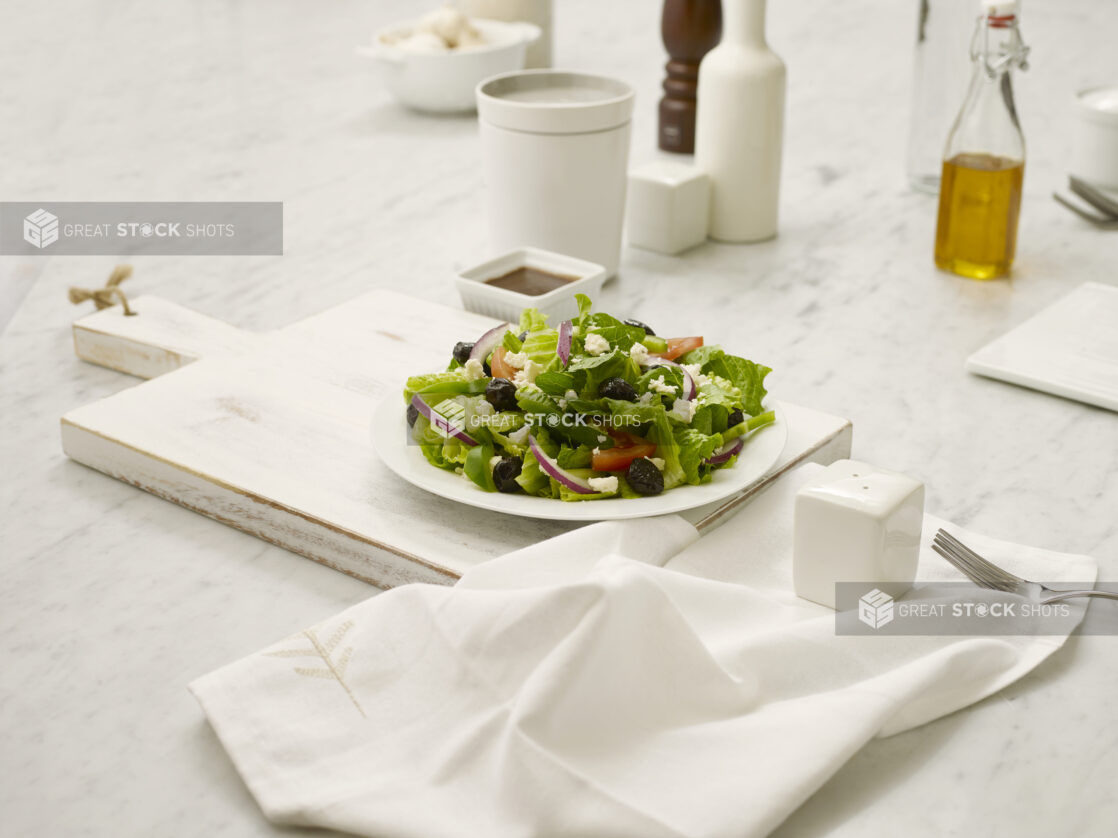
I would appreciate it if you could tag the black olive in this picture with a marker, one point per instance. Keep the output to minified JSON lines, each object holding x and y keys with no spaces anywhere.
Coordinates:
{"x":413,"y":414}
{"x":522,"y":336}
{"x":736,"y":417}
{"x":462,"y":351}
{"x":640,"y":325}
{"x":501,"y":393}
{"x":617,"y":388}
{"x":505,"y":474}
{"x":644,"y":477}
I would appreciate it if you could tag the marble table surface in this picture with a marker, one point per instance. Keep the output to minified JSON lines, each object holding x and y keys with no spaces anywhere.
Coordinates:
{"x":112,"y":600}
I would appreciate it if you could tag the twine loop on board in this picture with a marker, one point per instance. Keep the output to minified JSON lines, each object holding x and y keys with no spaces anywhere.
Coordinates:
{"x":109,"y":295}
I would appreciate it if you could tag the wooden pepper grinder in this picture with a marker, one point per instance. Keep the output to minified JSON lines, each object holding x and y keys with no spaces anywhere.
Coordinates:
{"x":690,"y":29}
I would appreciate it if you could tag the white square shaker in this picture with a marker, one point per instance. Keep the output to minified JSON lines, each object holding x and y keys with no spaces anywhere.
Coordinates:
{"x":856,"y":523}
{"x":669,"y":207}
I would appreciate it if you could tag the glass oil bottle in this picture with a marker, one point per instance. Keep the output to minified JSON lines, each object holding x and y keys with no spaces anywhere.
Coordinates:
{"x":984,"y":161}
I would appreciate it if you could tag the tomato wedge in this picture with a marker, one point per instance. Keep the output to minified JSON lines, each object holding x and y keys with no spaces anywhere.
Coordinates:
{"x":619,"y":457}
{"x":499,"y":366}
{"x":680,"y":346}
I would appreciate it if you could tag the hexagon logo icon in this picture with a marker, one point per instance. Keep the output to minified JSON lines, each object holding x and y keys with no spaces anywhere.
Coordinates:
{"x":40,"y":228}
{"x":875,"y":609}
{"x":448,"y":418}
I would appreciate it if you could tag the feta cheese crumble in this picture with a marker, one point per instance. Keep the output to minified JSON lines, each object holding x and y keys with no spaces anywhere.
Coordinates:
{"x":658,"y":385}
{"x":684,"y":409}
{"x":603,"y":484}
{"x":516,"y":360}
{"x":639,"y":353}
{"x":696,"y":373}
{"x":473,"y":370}
{"x":658,"y":462}
{"x":596,"y":344}
{"x":527,"y":375}
{"x":520,"y":435}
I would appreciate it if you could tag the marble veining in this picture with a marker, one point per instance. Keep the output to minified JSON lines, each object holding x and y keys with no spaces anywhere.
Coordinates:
{"x":112,"y":600}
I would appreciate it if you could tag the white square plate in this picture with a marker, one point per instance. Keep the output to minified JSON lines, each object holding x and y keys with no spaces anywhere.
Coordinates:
{"x":1069,"y":349}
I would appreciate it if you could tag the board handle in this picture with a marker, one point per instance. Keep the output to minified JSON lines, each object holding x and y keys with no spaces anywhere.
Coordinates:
{"x":160,"y":338}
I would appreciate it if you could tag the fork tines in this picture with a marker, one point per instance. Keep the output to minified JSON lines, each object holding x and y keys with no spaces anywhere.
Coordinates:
{"x":973,"y":566}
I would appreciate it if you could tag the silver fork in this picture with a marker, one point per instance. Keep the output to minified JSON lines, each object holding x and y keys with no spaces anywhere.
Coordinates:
{"x":988,"y":575}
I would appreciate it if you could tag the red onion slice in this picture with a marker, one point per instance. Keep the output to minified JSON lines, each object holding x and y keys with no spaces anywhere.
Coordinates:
{"x":692,"y":387}
{"x":552,"y":469}
{"x":488,"y":342}
{"x":439,"y":421}
{"x":727,"y":451}
{"x":563,"y":350}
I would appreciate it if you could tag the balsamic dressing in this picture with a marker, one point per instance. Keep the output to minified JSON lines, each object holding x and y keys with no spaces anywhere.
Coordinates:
{"x":530,"y":281}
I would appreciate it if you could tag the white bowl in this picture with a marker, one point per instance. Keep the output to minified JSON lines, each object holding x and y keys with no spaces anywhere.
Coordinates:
{"x":444,"y":82}
{"x":1094,"y":138}
{"x":503,"y":304}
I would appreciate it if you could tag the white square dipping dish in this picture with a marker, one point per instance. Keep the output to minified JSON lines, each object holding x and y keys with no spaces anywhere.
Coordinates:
{"x":480,"y":297}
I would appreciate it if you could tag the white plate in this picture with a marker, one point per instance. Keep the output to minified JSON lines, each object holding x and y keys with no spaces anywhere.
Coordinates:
{"x":390,"y":435}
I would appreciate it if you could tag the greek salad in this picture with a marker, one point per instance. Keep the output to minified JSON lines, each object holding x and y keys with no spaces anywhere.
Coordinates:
{"x":594,"y":408}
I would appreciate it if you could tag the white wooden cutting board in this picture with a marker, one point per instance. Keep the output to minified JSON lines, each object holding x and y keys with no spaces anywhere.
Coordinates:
{"x":269,"y":433}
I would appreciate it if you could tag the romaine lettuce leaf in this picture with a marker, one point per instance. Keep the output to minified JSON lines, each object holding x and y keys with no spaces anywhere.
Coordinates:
{"x":574,"y":457}
{"x":702,"y":355}
{"x":619,"y":335}
{"x":532,"y":320}
{"x":584,"y":306}
{"x":566,"y":494}
{"x":535,"y":400}
{"x":540,"y":346}
{"x":747,"y":376}
{"x":446,"y":453}
{"x":422,"y":382}
{"x":596,"y":369}
{"x":694,"y":449}
{"x":532,"y":479}
{"x":555,"y":383}
{"x":711,"y":419}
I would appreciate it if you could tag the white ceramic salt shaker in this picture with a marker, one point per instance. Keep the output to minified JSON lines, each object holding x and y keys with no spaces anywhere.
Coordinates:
{"x":669,"y":205}
{"x":856,"y":523}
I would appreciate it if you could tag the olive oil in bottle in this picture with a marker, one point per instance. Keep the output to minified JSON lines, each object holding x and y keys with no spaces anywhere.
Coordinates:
{"x":984,"y":162}
{"x":980,"y":198}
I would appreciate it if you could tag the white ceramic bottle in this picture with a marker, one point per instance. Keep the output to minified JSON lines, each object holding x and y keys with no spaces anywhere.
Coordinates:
{"x":739,"y":127}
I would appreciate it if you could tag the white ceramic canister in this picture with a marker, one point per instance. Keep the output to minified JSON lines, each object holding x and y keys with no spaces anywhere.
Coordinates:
{"x":1094,"y":138}
{"x":555,"y":149}
{"x":532,"y":11}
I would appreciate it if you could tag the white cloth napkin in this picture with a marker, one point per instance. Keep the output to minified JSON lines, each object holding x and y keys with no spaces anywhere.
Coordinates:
{"x":586,"y":686}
